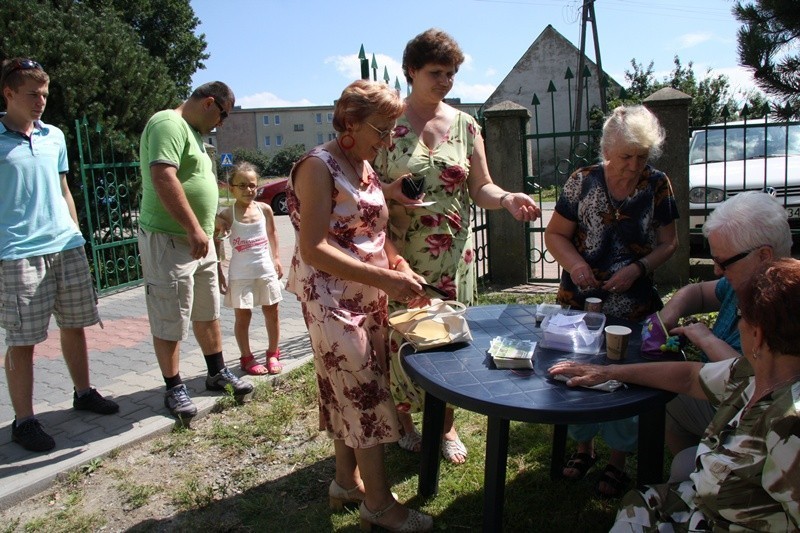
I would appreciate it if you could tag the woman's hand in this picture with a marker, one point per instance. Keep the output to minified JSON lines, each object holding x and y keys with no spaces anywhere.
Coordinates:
{"x":581,"y":374}
{"x":623,"y":279}
{"x":583,"y":277}
{"x":419,"y":300}
{"x":521,"y":206}
{"x":696,"y":332}
{"x":394,"y":191}
{"x":402,"y":285}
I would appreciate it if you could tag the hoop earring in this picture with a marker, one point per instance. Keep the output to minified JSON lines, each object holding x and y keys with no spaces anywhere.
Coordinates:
{"x":347,"y":141}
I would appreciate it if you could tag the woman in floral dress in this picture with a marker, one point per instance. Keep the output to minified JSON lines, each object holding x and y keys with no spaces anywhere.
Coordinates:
{"x":440,"y":148}
{"x":342,"y":271}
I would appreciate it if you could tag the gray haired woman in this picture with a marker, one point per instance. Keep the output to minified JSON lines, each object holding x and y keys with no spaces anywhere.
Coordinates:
{"x":614,"y":224}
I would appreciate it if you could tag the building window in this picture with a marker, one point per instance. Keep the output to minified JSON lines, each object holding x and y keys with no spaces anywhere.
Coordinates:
{"x":319,"y":138}
{"x":330,"y":118}
{"x":277,"y":119}
{"x":318,"y":118}
{"x":331,"y":136}
{"x":299,"y":127}
{"x":279,"y":140}
{"x":266,"y":141}
{"x":266,"y":120}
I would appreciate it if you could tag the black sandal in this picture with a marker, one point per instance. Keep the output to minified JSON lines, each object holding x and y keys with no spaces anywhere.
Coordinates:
{"x":581,"y":462}
{"x":614,"y":478}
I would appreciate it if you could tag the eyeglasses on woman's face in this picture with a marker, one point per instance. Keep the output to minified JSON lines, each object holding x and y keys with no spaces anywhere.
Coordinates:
{"x":383,"y":134}
{"x":246,"y":186}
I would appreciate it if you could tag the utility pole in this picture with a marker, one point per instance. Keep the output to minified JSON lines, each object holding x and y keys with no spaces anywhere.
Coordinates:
{"x":588,"y":16}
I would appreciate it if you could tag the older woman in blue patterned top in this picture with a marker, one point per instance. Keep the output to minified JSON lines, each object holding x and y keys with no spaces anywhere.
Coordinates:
{"x":613,"y":225}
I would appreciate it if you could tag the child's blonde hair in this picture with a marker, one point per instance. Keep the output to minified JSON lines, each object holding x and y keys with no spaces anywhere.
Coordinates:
{"x":242,"y":167}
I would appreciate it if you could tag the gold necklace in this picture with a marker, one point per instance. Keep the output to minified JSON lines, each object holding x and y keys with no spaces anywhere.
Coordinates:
{"x":361,"y":178}
{"x":614,"y":205}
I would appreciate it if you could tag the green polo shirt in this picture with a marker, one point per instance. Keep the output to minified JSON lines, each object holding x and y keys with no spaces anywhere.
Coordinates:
{"x":169,"y":139}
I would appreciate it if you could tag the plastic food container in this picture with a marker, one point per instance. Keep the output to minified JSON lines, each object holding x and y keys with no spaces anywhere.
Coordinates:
{"x":582,"y":333}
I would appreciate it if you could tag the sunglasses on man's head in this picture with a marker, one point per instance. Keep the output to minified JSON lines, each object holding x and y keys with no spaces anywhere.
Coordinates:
{"x":22,"y":64}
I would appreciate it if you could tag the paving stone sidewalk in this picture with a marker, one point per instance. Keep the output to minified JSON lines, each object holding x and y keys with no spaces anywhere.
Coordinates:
{"x":123,"y":367}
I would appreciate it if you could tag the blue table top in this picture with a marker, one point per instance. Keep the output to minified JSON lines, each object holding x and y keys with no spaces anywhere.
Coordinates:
{"x":464,"y":375}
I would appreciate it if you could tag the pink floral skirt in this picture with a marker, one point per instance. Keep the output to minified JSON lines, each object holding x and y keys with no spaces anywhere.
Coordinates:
{"x":351,"y":359}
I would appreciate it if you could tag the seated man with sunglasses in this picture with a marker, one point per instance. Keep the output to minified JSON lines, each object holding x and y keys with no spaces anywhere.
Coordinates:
{"x":745,"y":231}
{"x":43,"y":266}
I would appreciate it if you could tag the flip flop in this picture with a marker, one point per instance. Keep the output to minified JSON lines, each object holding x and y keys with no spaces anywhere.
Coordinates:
{"x":411,"y":442}
{"x":582,"y":462}
{"x":249,"y":364}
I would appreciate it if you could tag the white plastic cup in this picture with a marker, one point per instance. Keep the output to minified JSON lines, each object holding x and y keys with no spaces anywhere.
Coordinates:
{"x":617,"y":342}
{"x":595,"y":305}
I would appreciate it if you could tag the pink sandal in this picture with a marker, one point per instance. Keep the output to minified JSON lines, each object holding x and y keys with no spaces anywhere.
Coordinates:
{"x":274,"y":366}
{"x":249,"y":364}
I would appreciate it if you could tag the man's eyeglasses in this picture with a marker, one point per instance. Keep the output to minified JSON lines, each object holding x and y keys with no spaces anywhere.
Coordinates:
{"x":22,"y":64}
{"x":731,"y":260}
{"x":222,"y":113}
{"x":246,"y":186}
{"x":382,"y":133}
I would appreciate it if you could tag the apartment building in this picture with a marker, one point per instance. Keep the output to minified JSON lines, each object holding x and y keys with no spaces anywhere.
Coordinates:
{"x":270,"y":129}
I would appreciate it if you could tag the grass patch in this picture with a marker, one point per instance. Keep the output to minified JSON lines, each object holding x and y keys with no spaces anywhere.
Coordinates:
{"x":264,"y":466}
{"x":136,"y":495}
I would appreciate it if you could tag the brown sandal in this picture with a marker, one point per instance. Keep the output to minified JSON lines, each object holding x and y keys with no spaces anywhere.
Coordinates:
{"x":616,"y":480}
{"x":249,"y":364}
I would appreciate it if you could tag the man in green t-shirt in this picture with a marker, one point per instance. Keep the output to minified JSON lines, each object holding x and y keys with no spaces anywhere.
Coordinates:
{"x":179,"y":203}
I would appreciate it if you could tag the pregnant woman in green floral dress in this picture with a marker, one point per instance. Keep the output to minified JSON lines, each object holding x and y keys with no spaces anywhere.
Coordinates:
{"x":441,"y":149}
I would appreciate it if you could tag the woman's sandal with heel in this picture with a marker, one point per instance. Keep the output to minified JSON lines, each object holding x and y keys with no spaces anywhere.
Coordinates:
{"x":338,"y":496}
{"x":415,"y":521}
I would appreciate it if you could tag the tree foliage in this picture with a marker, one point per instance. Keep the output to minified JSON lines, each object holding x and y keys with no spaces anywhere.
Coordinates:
{"x":257,"y":158}
{"x":767,"y":44}
{"x":166,"y":29}
{"x":711,"y":96}
{"x":98,"y":63}
{"x":281,"y":163}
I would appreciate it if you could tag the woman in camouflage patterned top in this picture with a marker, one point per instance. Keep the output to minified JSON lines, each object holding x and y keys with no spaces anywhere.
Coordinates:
{"x":742,"y":478}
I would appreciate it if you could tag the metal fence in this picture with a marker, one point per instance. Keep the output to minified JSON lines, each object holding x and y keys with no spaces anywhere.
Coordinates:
{"x":736,"y":156}
{"x":111,"y":195}
{"x":550,"y":157}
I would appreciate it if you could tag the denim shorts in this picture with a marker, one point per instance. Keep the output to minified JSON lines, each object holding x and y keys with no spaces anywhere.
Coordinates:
{"x":33,"y":288}
{"x":178,"y":288}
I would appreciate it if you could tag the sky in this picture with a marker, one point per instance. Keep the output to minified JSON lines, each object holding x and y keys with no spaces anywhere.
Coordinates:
{"x":278,"y":53}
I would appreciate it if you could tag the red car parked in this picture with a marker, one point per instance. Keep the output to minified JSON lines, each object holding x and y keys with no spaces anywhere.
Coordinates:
{"x":274,"y":194}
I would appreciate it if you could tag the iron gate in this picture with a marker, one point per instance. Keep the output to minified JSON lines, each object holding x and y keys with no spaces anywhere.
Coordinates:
{"x":550,"y":157}
{"x":111,"y":194}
